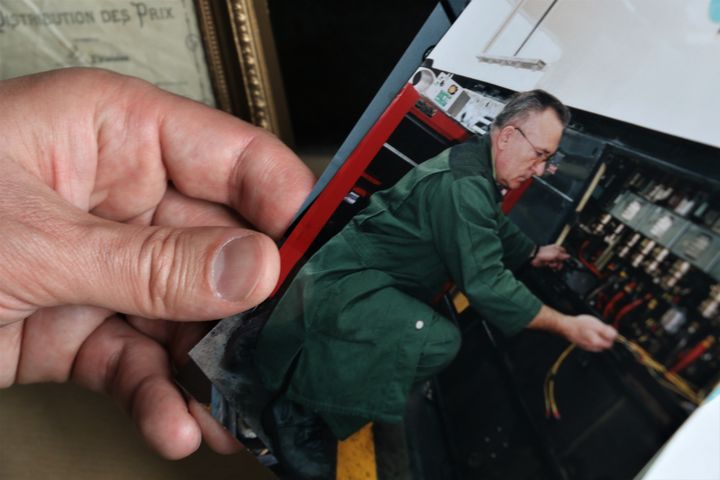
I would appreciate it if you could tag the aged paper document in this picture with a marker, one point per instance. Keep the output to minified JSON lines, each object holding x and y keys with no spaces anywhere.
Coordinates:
{"x":157,"y":40}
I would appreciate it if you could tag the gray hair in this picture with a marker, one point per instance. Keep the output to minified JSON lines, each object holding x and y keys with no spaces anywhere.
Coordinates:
{"x":522,"y":104}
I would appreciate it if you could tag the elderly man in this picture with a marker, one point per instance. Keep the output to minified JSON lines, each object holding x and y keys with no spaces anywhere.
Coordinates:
{"x":354,"y":332}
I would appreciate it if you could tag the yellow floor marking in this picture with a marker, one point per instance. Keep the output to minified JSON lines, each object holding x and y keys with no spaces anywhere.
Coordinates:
{"x":461,"y":302}
{"x":356,"y":456}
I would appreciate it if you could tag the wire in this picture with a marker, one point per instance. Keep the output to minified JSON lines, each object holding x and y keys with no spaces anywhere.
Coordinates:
{"x":629,"y":308}
{"x":650,"y":363}
{"x":664,"y":377}
{"x":693,"y":354}
{"x":611,"y":304}
{"x":551,"y":407}
{"x":585,"y":262}
{"x":616,"y":298}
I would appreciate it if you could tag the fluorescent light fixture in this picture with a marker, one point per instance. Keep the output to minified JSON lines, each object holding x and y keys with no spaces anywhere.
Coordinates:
{"x":517,"y":62}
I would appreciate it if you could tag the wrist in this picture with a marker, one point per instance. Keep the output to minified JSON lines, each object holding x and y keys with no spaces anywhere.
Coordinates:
{"x":567,"y":327}
{"x":551,"y":320}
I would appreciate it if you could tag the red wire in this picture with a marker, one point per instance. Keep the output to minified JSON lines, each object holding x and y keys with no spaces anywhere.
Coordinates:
{"x":587,"y":264}
{"x":611,"y":304}
{"x":693,"y":354}
{"x":627,"y":309}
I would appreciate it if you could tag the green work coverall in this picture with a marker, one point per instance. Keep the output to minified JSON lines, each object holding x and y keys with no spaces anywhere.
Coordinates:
{"x":351,"y":328}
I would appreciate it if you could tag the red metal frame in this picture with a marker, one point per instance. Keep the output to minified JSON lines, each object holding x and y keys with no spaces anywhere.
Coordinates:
{"x":441,"y":123}
{"x":327,"y":202}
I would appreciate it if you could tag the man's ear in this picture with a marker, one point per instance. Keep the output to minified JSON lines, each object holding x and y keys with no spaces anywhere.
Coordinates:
{"x":504,"y":136}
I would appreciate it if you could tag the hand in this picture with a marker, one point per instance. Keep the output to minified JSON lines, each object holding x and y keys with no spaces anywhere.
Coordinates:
{"x":589,"y":333}
{"x":552,"y":256}
{"x":119,"y":204}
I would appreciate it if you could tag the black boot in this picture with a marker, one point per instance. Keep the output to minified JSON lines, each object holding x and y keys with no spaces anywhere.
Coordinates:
{"x":301,"y":441}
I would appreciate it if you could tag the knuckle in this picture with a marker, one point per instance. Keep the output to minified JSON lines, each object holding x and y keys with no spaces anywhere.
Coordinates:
{"x":166,"y":270}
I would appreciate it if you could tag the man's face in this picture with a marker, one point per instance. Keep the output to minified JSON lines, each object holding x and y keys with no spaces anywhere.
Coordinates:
{"x":523,"y":148}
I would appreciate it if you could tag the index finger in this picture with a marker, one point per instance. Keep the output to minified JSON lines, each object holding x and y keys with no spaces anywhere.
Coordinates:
{"x":219,"y":158}
{"x":214,"y":156}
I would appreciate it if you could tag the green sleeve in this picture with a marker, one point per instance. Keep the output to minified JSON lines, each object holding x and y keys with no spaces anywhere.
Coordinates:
{"x":466,"y":229}
{"x":517,"y":246}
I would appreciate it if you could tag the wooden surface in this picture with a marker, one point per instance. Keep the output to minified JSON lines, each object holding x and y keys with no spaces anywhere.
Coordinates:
{"x":62,"y":431}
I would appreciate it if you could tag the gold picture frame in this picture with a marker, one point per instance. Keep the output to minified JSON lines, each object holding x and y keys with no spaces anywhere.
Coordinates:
{"x":242,"y":62}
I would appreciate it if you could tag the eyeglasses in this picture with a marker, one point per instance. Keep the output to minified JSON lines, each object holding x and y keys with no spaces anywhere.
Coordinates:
{"x":542,"y":155}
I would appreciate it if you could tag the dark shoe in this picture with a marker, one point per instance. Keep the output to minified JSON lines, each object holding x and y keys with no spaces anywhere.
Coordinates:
{"x":301,"y":441}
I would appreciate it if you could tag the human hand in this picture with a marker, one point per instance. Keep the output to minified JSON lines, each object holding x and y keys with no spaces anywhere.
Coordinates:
{"x":120,"y":204}
{"x":589,"y":333}
{"x":552,"y":256}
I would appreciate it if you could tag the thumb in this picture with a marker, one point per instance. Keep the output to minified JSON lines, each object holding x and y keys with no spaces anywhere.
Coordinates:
{"x":171,"y":273}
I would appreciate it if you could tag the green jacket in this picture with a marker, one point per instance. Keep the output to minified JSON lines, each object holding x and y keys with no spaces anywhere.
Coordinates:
{"x":350,"y":318}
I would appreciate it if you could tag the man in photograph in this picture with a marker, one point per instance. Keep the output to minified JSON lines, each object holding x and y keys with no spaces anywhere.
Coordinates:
{"x":355,"y":330}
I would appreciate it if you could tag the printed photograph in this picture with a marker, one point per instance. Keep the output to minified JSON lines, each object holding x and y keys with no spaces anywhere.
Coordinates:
{"x":516,"y":266}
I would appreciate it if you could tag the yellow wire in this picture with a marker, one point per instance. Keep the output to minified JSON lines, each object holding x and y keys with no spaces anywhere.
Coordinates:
{"x":550,"y":402}
{"x":646,"y":359}
{"x":666,"y":378}
{"x":556,"y":367}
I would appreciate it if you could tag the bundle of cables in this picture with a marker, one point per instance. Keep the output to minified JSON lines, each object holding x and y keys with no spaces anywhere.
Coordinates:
{"x":666,"y":378}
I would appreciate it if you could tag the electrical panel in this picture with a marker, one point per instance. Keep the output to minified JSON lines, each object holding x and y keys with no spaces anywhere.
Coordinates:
{"x":639,"y":214}
{"x":646,"y":254}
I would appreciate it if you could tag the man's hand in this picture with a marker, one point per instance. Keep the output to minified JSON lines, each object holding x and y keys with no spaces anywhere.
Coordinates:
{"x":552,"y":256}
{"x":121,"y":204}
{"x":585,"y":331}
{"x":589,"y":333}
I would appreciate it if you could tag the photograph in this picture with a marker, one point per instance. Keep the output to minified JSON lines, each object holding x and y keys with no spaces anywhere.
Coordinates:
{"x":513,"y":274}
{"x":409,"y":240}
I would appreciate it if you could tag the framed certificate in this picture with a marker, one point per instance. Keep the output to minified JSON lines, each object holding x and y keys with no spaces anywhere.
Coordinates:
{"x":220,"y":53}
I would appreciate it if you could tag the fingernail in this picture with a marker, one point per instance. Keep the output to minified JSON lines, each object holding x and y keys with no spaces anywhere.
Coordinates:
{"x":236,"y":268}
